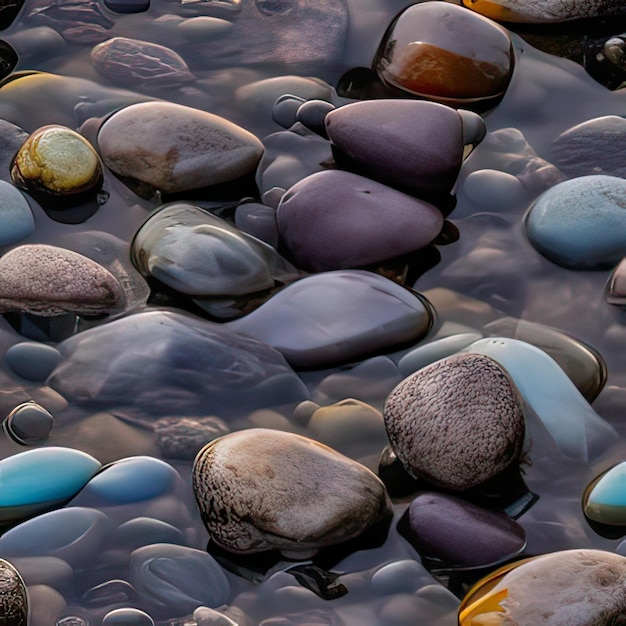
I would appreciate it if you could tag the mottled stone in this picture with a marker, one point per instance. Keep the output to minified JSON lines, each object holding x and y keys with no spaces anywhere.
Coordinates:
{"x":47,"y":280}
{"x":14,"y":601}
{"x":456,"y":423}
{"x":184,"y":437}
{"x":338,"y":220}
{"x":544,"y":11}
{"x":262,"y":489}
{"x":333,"y":317}
{"x":133,"y":61}
{"x":176,"y":148}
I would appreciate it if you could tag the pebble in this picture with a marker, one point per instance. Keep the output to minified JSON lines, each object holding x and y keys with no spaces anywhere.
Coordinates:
{"x":338,"y":220}
{"x":577,"y":587}
{"x":493,"y":190}
{"x":107,"y":593}
{"x":258,"y":220}
{"x":579,"y":223}
{"x":368,"y":314}
{"x":14,"y":601}
{"x":46,"y":604}
{"x":410,"y":144}
{"x":32,"y":360}
{"x":131,"y":61}
{"x":544,"y":12}
{"x":127,"y":6}
{"x":143,"y":531}
{"x":205,"y":616}
{"x":313,"y":113}
{"x":47,"y":280}
{"x":615,"y":292}
{"x":262,"y":489}
{"x":434,"y":603}
{"x":108,"y":366}
{"x":127,"y":617}
{"x":57,"y":161}
{"x":45,"y":570}
{"x":447,"y":54}
{"x":432,"y":416}
{"x":184,"y":437}
{"x":176,"y":148}
{"x":604,"y":500}
{"x":176,"y":580}
{"x":403,"y":576}
{"x":451,"y":533}
{"x":28,"y":424}
{"x":15,"y":215}
{"x":39,"y":479}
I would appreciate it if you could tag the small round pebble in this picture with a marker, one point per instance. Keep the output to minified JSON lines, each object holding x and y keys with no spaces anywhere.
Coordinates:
{"x":28,"y":424}
{"x":127,"y":617}
{"x":32,"y":360}
{"x":604,"y":501}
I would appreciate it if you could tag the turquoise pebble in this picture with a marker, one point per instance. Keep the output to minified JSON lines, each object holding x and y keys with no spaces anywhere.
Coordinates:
{"x":606,"y":501}
{"x":133,"y":479}
{"x":39,"y":479}
{"x":32,"y":360}
{"x":16,"y":218}
{"x":127,"y":617}
{"x":580,"y":223}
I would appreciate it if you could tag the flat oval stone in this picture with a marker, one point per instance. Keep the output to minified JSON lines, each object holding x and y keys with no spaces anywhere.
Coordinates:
{"x":604,"y":500}
{"x":32,"y":360}
{"x":14,"y":602}
{"x":15,"y":215}
{"x":456,"y":423}
{"x":184,"y":437}
{"x":47,"y":280}
{"x":445,"y":53}
{"x":130,"y":61}
{"x":108,"y":366}
{"x":28,"y":424}
{"x":175,"y":580}
{"x":544,"y":12}
{"x":407,"y":143}
{"x":175,"y":148}
{"x":40,"y":479}
{"x":338,"y":220}
{"x":262,"y":489}
{"x":334,"y":317}
{"x":579,"y":223}
{"x":574,"y":587}
{"x":127,"y":617}
{"x":57,"y":161}
{"x":453,"y":533}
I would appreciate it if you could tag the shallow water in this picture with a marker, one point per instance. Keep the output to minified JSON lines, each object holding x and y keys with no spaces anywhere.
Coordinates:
{"x":492,"y":263}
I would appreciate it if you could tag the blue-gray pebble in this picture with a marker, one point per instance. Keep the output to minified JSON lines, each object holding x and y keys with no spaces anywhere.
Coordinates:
{"x":32,"y":360}
{"x":16,"y":218}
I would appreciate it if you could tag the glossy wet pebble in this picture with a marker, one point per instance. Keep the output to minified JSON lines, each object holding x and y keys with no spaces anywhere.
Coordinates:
{"x":32,"y":360}
{"x":175,"y":580}
{"x":456,"y":423}
{"x":451,"y":532}
{"x":132,"y":61}
{"x":176,"y":148}
{"x":39,"y":479}
{"x":333,"y":317}
{"x":184,"y":437}
{"x":57,"y":161}
{"x":127,"y":617}
{"x":109,"y":366}
{"x":605,"y":499}
{"x":615,"y":292}
{"x":338,"y":220}
{"x":576,"y":587}
{"x":447,"y":54}
{"x":14,"y":603}
{"x":579,"y":223}
{"x":47,"y":280}
{"x":263,"y":489}
{"x":407,"y":143}
{"x":15,"y":215}
{"x":28,"y":424}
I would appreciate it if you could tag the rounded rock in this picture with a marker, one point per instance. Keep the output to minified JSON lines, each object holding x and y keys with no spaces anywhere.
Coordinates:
{"x":456,"y":423}
{"x":604,"y":500}
{"x":28,"y":424}
{"x":17,"y":218}
{"x":184,"y":437}
{"x":32,"y":360}
{"x":127,"y":617}
{"x":261,"y":489}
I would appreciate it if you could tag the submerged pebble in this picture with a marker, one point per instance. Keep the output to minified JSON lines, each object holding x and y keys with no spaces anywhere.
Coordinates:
{"x":28,"y":424}
{"x":184,"y":437}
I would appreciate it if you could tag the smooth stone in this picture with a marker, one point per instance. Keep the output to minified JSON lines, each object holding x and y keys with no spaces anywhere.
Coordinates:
{"x":493,"y":190}
{"x":258,"y":220}
{"x":15,"y":604}
{"x":285,"y":110}
{"x":312,"y":114}
{"x":413,"y":144}
{"x":142,"y":531}
{"x":28,"y":424}
{"x":36,"y":43}
{"x":574,"y":587}
{"x":369,"y":313}
{"x":579,"y":223}
{"x":338,"y":220}
{"x":32,"y":360}
{"x":456,"y":423}
{"x":74,"y":534}
{"x":615,"y":291}
{"x":16,"y":217}
{"x":107,"y":593}
{"x":204,"y":28}
{"x":57,"y":161}
{"x":42,"y":478}
{"x":427,"y":353}
{"x":127,"y":6}
{"x":130,"y":480}
{"x":453,"y":533}
{"x":184,"y":437}
{"x":176,"y":148}
{"x":176,"y":580}
{"x":261,"y":489}
{"x":45,"y":570}
{"x":47,"y":605}
{"x":434,"y":604}
{"x":133,"y":61}
{"x":109,"y":367}
{"x":578,"y":431}
{"x":200,"y":254}
{"x":544,"y":12}
{"x":447,"y":54}
{"x":47,"y":280}
{"x":127,"y":617}
{"x":205,"y":616}
{"x":591,"y":147}
{"x":604,"y":500}
{"x":584,"y":365}
{"x":400,"y":577}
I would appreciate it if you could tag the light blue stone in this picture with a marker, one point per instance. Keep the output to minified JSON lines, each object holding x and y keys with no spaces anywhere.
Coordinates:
{"x":32,"y":360}
{"x":127,"y":617}
{"x":39,"y":479}
{"x":606,"y":502}
{"x":142,"y":531}
{"x":580,"y":223}
{"x":578,"y":431}
{"x":133,"y":479}
{"x":16,"y":218}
